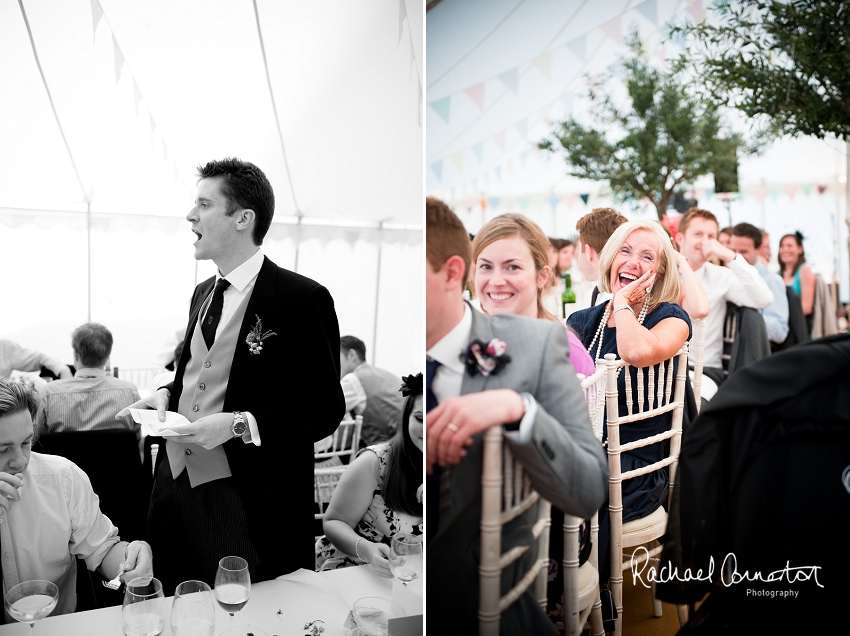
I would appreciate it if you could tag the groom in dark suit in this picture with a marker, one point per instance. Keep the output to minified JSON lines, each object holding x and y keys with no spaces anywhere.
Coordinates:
{"x":537,"y":401}
{"x":258,"y":380}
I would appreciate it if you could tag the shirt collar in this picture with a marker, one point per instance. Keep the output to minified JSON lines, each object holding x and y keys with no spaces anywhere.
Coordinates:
{"x":89,"y":373}
{"x":447,"y":350}
{"x":246,"y":272}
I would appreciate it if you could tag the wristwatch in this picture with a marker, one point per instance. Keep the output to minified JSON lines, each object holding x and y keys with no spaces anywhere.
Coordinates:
{"x":238,"y":427}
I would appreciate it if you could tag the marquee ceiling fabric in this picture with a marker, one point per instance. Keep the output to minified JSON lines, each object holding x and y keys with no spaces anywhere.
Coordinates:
{"x":131,"y":96}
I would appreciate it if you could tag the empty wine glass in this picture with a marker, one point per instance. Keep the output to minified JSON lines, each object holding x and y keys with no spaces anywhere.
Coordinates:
{"x":143,"y":611}
{"x":30,"y":601}
{"x":232,"y":584}
{"x":193,"y":610}
{"x":406,"y":557}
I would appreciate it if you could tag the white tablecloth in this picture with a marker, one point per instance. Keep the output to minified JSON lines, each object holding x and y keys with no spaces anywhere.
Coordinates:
{"x":280,"y":607}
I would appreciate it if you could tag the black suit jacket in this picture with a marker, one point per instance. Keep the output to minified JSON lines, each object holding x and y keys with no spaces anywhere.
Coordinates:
{"x":292,"y":389}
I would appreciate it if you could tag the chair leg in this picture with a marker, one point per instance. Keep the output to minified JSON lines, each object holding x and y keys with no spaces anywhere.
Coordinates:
{"x":656,"y":604}
{"x":683,"y":614}
{"x":617,"y":595}
{"x":596,"y":627}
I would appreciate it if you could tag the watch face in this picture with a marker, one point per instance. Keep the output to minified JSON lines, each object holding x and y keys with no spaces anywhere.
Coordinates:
{"x":239,"y":428}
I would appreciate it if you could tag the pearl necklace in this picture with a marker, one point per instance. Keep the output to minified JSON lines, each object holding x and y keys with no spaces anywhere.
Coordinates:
{"x":600,"y":331}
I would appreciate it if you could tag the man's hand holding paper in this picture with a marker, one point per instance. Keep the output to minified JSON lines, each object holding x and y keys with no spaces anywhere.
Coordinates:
{"x":172,"y":426}
{"x":207,"y":432}
{"x":157,"y":401}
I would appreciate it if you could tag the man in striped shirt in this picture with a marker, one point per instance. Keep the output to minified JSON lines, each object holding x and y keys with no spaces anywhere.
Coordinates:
{"x":89,"y":400}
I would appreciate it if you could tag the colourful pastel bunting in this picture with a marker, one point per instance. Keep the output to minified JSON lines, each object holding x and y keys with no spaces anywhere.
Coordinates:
{"x":494,"y":202}
{"x":791,"y":190}
{"x":773,"y":193}
{"x":696,"y":11}
{"x":437,"y":167}
{"x":613,"y":30}
{"x":806,"y":189}
{"x":478,"y":150}
{"x":585,"y":197}
{"x":443,"y":107}
{"x":648,"y":10}
{"x":570,"y":199}
{"x":822,"y":189}
{"x":553,"y":202}
{"x":523,"y":203}
{"x":578,"y":47}
{"x":498,"y":171}
{"x":457,"y":158}
{"x":476,"y":94}
{"x":709,"y":193}
{"x":499,"y":138}
{"x":758,"y":193}
{"x":543,"y":63}
{"x":511,"y":79}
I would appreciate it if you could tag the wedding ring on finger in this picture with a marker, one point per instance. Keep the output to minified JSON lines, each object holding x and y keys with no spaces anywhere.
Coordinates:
{"x":452,"y":427}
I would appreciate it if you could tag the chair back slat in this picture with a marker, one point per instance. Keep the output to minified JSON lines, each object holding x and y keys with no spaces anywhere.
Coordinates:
{"x":344,"y":442}
{"x":696,"y":355}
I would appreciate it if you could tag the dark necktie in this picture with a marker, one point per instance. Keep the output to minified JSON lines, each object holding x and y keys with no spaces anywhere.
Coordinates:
{"x":213,"y":316}
{"x":432,"y":481}
{"x":430,"y":370}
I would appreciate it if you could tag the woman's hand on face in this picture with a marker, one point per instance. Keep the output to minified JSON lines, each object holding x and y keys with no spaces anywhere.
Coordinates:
{"x":636,"y":292}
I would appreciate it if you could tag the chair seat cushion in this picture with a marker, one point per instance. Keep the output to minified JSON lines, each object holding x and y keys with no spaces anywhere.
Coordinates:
{"x":588,"y":583}
{"x":652,"y":526}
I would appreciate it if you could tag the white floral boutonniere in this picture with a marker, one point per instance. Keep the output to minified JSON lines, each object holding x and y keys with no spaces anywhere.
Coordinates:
{"x":256,"y":337}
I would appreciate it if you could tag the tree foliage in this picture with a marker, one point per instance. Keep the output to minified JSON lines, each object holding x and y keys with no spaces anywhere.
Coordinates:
{"x":788,"y":60}
{"x":652,"y":148}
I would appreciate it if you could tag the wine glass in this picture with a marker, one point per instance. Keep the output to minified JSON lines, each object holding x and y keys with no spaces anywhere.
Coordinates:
{"x":193,"y":610}
{"x":232,"y":584}
{"x":30,"y":601}
{"x":406,"y":557}
{"x":143,"y":611}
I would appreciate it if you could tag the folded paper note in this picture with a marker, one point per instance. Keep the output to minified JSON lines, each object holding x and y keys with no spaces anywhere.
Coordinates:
{"x":152,"y":426}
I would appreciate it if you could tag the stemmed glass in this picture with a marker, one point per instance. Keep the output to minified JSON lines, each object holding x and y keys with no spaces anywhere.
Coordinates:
{"x":30,"y":601}
{"x":232,"y":584}
{"x":406,"y":557}
{"x":193,"y":610}
{"x":143,"y":611}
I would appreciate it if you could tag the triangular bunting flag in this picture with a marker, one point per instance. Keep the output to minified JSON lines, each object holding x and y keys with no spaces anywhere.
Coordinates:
{"x":402,"y":14}
{"x":443,"y":107}
{"x":570,"y":199}
{"x":806,"y":189}
{"x":554,"y":201}
{"x":522,"y":127}
{"x":457,"y":158}
{"x":437,"y":167}
{"x":119,"y":59}
{"x":498,"y":172}
{"x":499,"y":138}
{"x":511,"y":79}
{"x":543,"y":63}
{"x":585,"y":197}
{"x":758,"y":193}
{"x":791,"y":190}
{"x":494,"y":202}
{"x":478,"y":150}
{"x":613,"y":30}
{"x":648,"y":10}
{"x":745,"y":193}
{"x":709,"y":193}
{"x":821,"y":189}
{"x":476,"y":94}
{"x":773,"y":193}
{"x":137,"y":96}
{"x":578,"y":47}
{"x":696,"y":11}
{"x":523,"y":203}
{"x":96,"y":15}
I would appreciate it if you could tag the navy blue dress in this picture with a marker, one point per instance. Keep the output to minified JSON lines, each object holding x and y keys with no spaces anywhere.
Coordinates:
{"x":645,"y":493}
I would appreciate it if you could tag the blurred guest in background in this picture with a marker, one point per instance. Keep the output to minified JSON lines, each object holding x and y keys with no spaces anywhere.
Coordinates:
{"x":796,"y":274}
{"x":13,"y":357}
{"x":369,"y":391}
{"x":379,"y":494}
{"x":594,"y":229}
{"x":89,"y":400}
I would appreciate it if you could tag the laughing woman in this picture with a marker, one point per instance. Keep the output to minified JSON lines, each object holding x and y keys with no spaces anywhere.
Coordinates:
{"x":642,"y":325}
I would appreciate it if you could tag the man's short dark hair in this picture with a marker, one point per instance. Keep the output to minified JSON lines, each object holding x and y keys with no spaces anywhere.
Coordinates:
{"x":750,"y":231}
{"x":245,"y":187}
{"x":92,"y":344}
{"x":445,"y":236}
{"x":347,"y":343}
{"x":16,"y":397}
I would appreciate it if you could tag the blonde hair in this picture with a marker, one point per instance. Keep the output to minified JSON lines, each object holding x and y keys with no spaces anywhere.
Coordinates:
{"x":512,"y":224}
{"x":666,"y":287}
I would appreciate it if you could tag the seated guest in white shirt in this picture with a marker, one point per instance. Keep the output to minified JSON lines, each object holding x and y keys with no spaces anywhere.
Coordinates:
{"x":370,"y":392}
{"x":49,"y":514}
{"x":746,"y":241}
{"x":14,"y":357}
{"x":737,"y":282}
{"x":89,"y":400}
{"x":594,"y":230}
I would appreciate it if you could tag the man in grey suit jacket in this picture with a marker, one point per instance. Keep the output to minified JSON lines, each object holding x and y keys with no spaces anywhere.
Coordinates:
{"x":537,"y":400}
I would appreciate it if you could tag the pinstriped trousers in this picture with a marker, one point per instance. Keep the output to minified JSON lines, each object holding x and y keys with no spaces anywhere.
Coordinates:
{"x":191,"y":529}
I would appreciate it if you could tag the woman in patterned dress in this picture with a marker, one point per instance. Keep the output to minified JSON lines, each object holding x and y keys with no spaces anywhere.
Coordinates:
{"x":378,"y":495}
